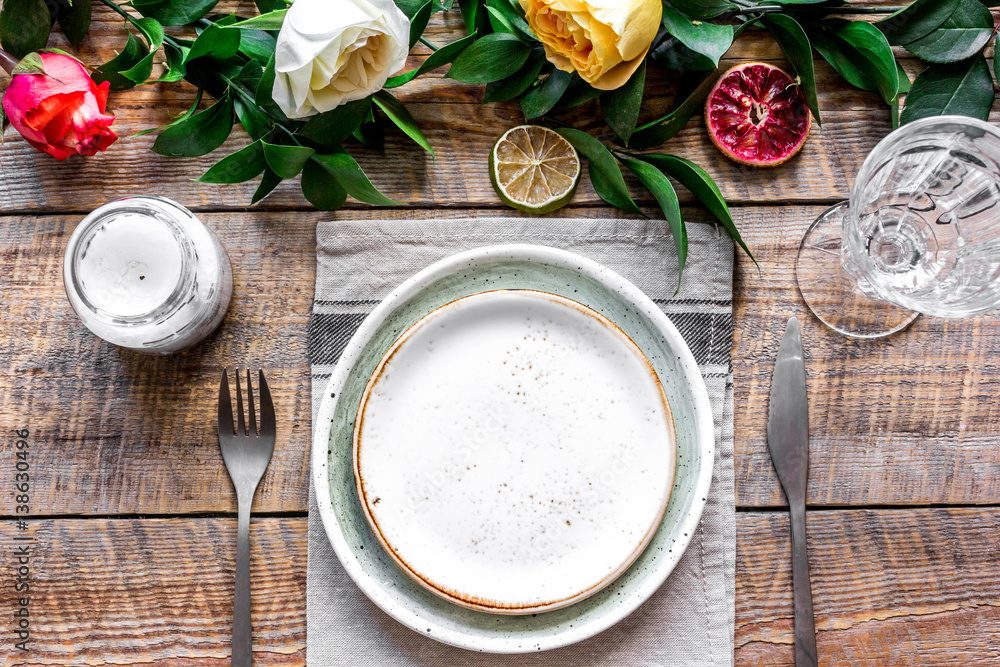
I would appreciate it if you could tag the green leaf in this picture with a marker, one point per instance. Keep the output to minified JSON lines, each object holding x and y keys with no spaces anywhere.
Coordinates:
{"x":517,"y":83}
{"x":860,"y":53}
{"x":372,"y":135}
{"x":996,"y":65}
{"x":267,"y":6}
{"x":239,"y":167}
{"x":270,"y":21}
{"x":505,"y":18}
{"x":128,"y":58}
{"x":253,"y":120}
{"x":352,"y":177}
{"x":418,"y":22}
{"x":257,"y":44}
{"x":828,"y":47}
{"x":666,"y":197}
{"x":180,"y":119}
{"x":321,"y":189}
{"x":286,"y":161}
{"x":489,"y":59}
{"x":871,"y":50}
{"x":176,"y":70}
{"x":153,"y":32}
{"x":795,"y":44}
{"x":264,"y":94}
{"x":540,"y":99}
{"x":267,"y":184}
{"x":198,"y":134}
{"x":24,"y":26}
{"x":439,"y":58}
{"x":904,"y":80}
{"x":332,"y":127}
{"x":660,"y":130}
{"x":174,"y":12}
{"x":216,"y":41}
{"x":962,"y":35}
{"x":398,"y":114}
{"x":964,"y":88}
{"x":915,"y":20}
{"x":621,"y":106}
{"x":708,"y":40}
{"x":580,"y":92}
{"x":31,"y":64}
{"x":410,"y":7}
{"x":474,"y":17}
{"x":703,"y":9}
{"x":74,"y":19}
{"x":605,"y":174}
{"x":697,"y":180}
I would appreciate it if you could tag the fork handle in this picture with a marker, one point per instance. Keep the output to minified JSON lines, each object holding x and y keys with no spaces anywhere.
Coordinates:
{"x":242,"y":648}
{"x":805,"y":630}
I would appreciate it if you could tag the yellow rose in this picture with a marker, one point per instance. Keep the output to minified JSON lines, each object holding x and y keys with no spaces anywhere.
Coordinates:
{"x":604,"y":40}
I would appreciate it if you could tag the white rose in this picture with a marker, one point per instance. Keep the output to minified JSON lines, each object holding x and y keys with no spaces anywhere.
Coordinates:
{"x":335,"y":51}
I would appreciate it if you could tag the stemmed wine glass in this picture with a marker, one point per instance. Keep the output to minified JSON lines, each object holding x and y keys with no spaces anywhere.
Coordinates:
{"x":920,"y":233}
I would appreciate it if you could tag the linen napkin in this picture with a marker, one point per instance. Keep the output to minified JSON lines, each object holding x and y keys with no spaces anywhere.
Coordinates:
{"x":690,"y":620}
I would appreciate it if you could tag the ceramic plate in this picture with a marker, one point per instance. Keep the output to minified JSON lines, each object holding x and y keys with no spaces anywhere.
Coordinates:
{"x":514,"y":267}
{"x":514,"y":451}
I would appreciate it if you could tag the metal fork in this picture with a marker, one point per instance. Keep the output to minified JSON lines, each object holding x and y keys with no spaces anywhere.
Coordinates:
{"x":247,"y":454}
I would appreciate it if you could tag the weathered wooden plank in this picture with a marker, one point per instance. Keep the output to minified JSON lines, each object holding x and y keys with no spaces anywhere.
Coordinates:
{"x":903,"y":587}
{"x":155,"y":591}
{"x":909,"y":420}
{"x":461,"y":130}
{"x":914,"y":587}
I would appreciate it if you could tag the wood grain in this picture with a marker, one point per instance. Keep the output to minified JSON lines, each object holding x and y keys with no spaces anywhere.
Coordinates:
{"x":905,"y":421}
{"x":900,"y":587}
{"x":118,"y":438}
{"x":910,"y":587}
{"x":156,"y":592}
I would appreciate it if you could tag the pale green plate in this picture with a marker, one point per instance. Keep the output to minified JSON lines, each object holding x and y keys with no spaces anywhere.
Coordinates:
{"x":511,"y":267}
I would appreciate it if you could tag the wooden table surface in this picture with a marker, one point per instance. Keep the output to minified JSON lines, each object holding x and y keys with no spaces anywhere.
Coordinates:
{"x":133,"y":514}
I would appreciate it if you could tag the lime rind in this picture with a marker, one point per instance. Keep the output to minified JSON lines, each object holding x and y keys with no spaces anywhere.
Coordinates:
{"x":562,"y":185}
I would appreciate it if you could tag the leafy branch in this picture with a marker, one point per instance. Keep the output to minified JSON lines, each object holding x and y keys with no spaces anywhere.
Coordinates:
{"x":231,"y":58}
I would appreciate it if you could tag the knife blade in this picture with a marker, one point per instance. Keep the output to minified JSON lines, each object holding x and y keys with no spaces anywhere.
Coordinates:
{"x":788,"y":443}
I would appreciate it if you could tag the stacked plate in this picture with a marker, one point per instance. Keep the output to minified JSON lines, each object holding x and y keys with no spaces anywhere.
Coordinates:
{"x":513,"y":451}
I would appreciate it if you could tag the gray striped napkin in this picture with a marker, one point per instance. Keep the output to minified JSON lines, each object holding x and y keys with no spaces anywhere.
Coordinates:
{"x":690,"y":620}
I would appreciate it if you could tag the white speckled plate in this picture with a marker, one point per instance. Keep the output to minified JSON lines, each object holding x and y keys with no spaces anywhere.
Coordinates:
{"x":513,"y":267}
{"x":514,"y":452}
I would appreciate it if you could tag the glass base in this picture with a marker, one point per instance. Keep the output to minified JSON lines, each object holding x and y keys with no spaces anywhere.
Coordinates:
{"x":831,"y":294}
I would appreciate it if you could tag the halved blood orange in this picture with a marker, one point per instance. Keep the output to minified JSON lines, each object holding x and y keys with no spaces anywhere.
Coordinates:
{"x":756,"y":115}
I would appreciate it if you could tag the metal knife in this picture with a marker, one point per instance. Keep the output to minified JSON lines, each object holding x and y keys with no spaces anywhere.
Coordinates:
{"x":788,"y":443}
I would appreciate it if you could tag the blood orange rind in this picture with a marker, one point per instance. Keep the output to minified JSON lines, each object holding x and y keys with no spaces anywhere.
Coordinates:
{"x":757,"y":115}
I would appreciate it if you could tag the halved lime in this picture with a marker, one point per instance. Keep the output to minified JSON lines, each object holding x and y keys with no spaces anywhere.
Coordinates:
{"x":533,"y":169}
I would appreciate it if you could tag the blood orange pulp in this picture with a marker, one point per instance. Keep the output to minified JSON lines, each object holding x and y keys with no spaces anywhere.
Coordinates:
{"x":756,"y":115}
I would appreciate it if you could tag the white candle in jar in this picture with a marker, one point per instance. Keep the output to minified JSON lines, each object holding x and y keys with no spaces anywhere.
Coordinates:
{"x":145,"y":273}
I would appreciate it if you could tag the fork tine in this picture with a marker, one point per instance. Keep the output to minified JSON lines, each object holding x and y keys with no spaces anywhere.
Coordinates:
{"x":241,"y":427}
{"x":267,"y":427}
{"x":225,"y":407}
{"x":253,"y":417}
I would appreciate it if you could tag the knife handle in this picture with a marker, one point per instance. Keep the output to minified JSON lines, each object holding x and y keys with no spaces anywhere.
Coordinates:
{"x":805,"y":629}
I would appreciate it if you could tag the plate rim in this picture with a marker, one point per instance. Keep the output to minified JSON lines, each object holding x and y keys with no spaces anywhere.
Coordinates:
{"x":548,"y":605}
{"x":321,"y":434}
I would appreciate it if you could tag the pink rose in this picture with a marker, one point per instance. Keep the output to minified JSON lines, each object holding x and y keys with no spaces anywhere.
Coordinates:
{"x":60,"y":112}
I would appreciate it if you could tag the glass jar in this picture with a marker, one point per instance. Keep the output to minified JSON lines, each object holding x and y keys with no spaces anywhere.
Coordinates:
{"x":146,"y":274}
